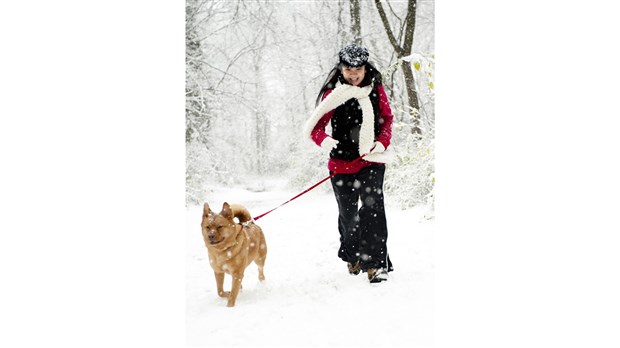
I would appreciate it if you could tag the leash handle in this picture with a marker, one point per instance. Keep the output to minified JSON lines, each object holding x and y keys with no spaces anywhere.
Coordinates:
{"x":311,"y":187}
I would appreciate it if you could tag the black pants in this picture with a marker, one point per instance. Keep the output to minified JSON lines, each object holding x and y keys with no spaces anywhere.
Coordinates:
{"x":362,"y":227}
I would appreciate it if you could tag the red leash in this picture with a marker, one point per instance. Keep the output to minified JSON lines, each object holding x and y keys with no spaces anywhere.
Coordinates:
{"x":311,"y":187}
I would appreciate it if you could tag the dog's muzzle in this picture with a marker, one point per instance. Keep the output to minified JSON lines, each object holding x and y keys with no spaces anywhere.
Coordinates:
{"x":212,"y":238}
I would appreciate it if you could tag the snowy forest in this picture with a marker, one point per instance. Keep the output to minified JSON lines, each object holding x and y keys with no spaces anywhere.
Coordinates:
{"x":253,"y":72}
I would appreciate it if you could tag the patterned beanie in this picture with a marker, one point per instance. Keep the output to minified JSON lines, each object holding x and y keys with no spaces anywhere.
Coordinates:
{"x":353,"y":55}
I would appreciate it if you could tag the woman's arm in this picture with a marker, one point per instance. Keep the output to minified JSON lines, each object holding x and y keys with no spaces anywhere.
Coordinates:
{"x":318,"y":133}
{"x":386,"y":118}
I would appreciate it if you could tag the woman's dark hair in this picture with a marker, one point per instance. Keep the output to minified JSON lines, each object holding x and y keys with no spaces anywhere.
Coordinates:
{"x":372,"y":76}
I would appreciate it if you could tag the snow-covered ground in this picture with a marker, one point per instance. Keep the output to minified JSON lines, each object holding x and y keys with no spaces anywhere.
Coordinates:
{"x":308,"y":298}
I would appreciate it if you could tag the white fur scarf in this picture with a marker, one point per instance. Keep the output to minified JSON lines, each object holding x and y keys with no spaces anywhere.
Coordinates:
{"x":337,"y":97}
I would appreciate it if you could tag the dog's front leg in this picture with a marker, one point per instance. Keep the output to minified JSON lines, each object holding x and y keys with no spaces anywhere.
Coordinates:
{"x":219,"y":280}
{"x":236,"y":285}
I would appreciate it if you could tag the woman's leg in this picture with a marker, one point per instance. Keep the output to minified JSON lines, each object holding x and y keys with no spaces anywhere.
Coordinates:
{"x":347,"y":197}
{"x":373,"y":224}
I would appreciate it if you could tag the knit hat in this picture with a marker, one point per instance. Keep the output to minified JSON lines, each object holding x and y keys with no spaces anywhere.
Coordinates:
{"x":353,"y":55}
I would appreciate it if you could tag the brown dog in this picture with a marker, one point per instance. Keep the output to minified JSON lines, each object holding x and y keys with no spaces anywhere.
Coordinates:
{"x":231,"y":246}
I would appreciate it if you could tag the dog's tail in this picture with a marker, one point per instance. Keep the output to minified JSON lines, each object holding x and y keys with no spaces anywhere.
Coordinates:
{"x":241,"y":213}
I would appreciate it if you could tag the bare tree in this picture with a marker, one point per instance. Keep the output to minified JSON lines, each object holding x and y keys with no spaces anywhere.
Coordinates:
{"x":356,"y":23}
{"x":404,"y":49}
{"x":197,"y":118}
{"x":254,"y":68}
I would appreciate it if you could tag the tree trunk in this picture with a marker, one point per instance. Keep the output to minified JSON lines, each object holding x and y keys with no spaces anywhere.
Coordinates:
{"x":356,"y":23}
{"x":403,"y":50}
{"x":341,"y":25}
{"x":197,"y":120}
{"x":412,"y":96}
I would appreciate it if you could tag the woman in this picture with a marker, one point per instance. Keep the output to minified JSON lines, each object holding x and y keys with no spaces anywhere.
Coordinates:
{"x":354,"y":102}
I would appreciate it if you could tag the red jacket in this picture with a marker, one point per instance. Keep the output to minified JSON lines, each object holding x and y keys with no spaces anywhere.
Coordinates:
{"x":385,"y":134}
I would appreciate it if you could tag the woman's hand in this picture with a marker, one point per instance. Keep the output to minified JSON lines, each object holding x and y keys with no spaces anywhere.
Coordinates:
{"x":379,"y":154}
{"x":378,"y":147}
{"x":329,"y":143}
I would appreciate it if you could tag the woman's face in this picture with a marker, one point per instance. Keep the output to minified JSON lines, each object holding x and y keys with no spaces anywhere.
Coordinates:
{"x":354,"y":76}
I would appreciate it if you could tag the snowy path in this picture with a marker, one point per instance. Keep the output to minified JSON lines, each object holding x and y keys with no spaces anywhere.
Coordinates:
{"x":308,"y":298}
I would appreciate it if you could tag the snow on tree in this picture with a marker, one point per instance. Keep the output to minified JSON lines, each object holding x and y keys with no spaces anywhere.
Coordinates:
{"x":254,"y":69}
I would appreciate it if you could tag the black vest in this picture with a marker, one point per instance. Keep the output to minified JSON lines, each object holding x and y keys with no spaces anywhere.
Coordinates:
{"x":346,"y":123}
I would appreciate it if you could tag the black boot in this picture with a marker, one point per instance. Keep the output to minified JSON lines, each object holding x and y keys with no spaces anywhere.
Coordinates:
{"x":377,"y":275}
{"x":354,"y":268}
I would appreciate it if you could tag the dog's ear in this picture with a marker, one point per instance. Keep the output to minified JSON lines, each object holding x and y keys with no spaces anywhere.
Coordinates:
{"x":226,"y":211}
{"x":206,"y":210}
